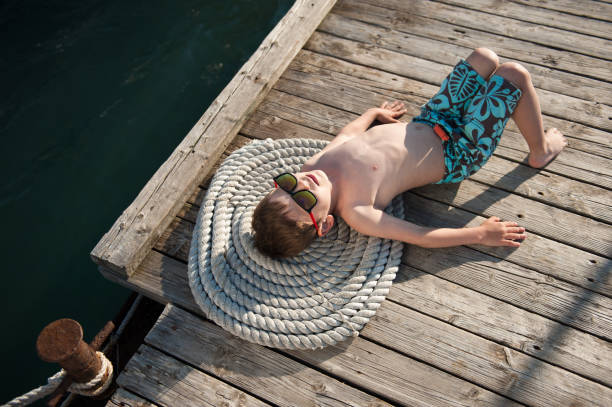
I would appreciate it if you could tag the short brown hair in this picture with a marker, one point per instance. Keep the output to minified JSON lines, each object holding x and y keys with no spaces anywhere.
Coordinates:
{"x":276,"y":234}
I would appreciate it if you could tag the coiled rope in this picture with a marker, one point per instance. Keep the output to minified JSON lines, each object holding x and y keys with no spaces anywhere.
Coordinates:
{"x":318,"y":298}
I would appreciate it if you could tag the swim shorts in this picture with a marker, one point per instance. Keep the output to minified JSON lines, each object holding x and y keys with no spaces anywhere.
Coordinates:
{"x":469,"y":115}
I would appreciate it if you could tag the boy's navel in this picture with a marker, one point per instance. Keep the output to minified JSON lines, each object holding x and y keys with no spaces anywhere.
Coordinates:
{"x":374,"y":167}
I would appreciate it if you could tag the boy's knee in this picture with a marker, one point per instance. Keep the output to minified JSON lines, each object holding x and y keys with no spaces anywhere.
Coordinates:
{"x":515,"y":73}
{"x":484,"y":61}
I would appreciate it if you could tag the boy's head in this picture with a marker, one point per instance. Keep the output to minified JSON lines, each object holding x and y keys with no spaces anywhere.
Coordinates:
{"x":282,"y":227}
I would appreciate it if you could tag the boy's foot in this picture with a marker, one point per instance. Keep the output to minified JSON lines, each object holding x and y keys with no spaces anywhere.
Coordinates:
{"x":554,"y":143}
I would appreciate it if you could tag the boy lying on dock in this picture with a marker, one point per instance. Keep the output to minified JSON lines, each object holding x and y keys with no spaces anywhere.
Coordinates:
{"x":358,"y":173}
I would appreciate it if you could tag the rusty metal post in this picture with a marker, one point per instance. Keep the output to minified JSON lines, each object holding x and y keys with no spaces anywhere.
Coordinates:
{"x":62,"y":342}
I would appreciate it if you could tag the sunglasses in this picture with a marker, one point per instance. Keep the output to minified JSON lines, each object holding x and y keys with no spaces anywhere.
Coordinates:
{"x":304,"y":198}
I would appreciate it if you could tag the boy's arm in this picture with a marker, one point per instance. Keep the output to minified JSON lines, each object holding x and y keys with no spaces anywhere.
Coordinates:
{"x":386,"y":113}
{"x":492,"y":232}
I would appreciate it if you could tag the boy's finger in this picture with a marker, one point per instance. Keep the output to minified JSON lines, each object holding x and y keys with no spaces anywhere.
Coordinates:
{"x":511,"y":243}
{"x":514,"y":236}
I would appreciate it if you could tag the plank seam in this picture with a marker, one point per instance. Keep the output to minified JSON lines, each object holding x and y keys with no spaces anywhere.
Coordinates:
{"x":336,"y":377}
{"x":541,"y":200}
{"x":136,"y":393}
{"x":531,"y":22}
{"x":208,"y":373}
{"x":499,"y":342}
{"x":382,"y":5}
{"x":566,"y":11}
{"x":584,"y":249}
{"x":369,"y":338}
{"x":516,"y":305}
{"x":447,"y":42}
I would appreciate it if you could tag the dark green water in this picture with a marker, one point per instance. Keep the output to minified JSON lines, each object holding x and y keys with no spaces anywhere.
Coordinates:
{"x":95,"y":96}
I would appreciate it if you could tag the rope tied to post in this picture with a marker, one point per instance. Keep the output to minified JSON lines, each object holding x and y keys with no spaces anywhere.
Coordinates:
{"x":93,"y":387}
{"x":323,"y":296}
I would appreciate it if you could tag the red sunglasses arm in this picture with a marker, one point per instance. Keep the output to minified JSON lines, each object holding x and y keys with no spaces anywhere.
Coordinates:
{"x":314,"y":221}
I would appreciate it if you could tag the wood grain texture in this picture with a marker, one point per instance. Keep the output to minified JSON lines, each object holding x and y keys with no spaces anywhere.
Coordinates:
{"x":129,"y":239}
{"x":260,"y":371}
{"x":170,"y":382}
{"x":428,"y":26}
{"x":529,"y":12}
{"x":599,"y":10}
{"x":493,"y":366}
{"x":504,"y":323}
{"x":448,"y":51}
{"x":124,"y":398}
{"x":493,"y":23}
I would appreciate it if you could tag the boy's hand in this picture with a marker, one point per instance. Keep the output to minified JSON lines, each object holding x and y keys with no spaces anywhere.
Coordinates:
{"x":390,"y":112}
{"x":494,"y":232}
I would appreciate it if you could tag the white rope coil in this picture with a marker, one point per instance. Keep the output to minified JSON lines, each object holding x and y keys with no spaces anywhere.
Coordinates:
{"x":91,"y":388}
{"x":318,"y":298}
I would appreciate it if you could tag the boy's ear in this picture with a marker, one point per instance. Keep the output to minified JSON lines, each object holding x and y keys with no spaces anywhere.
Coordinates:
{"x":326,"y":225}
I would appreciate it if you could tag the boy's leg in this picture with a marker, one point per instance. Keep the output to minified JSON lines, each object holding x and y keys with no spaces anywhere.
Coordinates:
{"x":484,"y":61}
{"x":543,"y":146}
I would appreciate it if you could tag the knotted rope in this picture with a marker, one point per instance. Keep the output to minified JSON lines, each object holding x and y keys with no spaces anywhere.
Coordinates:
{"x":318,"y":298}
{"x":86,"y":389}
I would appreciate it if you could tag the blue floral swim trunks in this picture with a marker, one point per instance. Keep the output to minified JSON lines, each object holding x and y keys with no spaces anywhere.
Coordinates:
{"x":469,"y":115}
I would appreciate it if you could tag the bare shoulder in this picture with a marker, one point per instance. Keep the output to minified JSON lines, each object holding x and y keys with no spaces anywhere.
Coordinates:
{"x":336,"y":142}
{"x":358,"y":215}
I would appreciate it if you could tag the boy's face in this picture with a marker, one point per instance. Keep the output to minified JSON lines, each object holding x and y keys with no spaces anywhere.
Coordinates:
{"x":315,"y":181}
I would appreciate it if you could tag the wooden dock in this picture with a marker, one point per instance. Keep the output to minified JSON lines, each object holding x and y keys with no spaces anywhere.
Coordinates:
{"x":460,"y":326}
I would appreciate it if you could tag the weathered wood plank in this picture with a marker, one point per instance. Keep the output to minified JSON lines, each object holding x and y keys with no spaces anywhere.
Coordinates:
{"x":568,"y":108}
{"x":425,"y":25}
{"x":133,"y":234}
{"x":124,"y":398}
{"x":520,"y":286}
{"x":261,"y":371}
{"x":587,"y":8}
{"x":504,"y":323}
{"x":574,"y":350}
{"x":502,"y":26}
{"x":543,"y":77}
{"x":531,"y":13}
{"x":493,"y":366}
{"x":548,"y":257}
{"x":170,"y":382}
{"x":402,"y":380}
{"x":544,"y":220}
{"x":550,"y":189}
